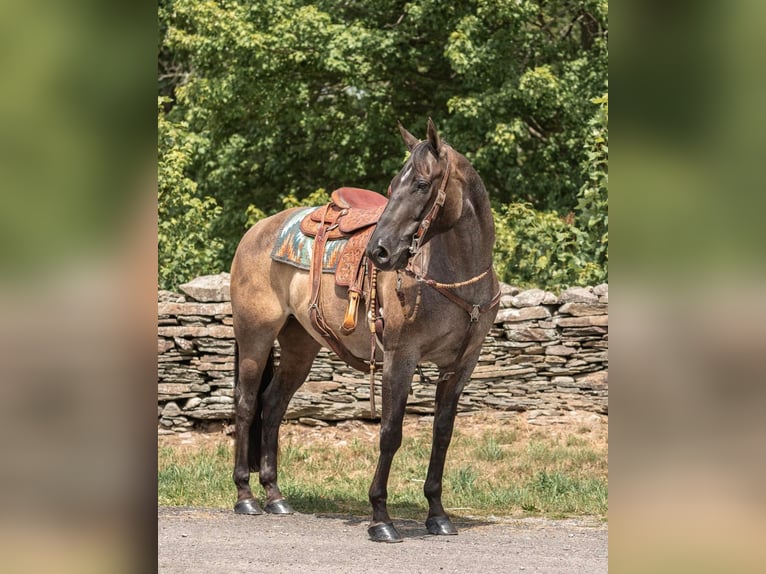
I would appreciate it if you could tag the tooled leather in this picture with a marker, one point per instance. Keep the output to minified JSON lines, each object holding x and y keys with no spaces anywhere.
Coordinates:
{"x":342,"y":222}
{"x":351,"y":257}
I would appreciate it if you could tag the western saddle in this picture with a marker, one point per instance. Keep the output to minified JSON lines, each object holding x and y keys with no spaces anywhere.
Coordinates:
{"x":352,"y":215}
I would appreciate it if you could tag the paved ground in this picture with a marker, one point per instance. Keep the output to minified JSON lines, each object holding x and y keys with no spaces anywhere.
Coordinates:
{"x":211,"y":541}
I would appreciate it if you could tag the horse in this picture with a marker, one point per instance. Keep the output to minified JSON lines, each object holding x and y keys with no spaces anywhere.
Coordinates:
{"x":435,"y":299}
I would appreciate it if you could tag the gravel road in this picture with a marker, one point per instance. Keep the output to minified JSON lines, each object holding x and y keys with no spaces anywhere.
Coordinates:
{"x":215,"y":541}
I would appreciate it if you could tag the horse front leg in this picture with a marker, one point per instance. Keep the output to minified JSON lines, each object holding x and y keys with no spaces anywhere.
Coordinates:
{"x":447,"y":397}
{"x":397,"y":378}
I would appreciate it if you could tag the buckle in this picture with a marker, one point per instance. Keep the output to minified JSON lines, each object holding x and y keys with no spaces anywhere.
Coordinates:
{"x":475,"y":312}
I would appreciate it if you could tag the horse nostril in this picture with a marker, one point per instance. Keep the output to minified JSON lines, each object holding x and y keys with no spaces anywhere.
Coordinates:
{"x":380,"y":254}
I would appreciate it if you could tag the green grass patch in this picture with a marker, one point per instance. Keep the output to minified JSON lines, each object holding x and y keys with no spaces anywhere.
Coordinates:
{"x":501,"y":472}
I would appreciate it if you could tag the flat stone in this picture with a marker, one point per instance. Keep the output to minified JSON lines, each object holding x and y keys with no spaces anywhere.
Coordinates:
{"x":192,"y":403}
{"x":597,"y":320}
{"x":217,"y":399}
{"x":532,"y":334}
{"x":172,"y":388}
{"x":600,"y":290}
{"x":560,"y":350}
{"x":205,"y":366}
{"x":534,"y":350}
{"x":506,"y":289}
{"x":319,"y":387}
{"x":214,"y":331}
{"x":578,"y":295}
{"x":212,"y":413}
{"x":183,"y":344}
{"x":171,"y":410}
{"x":584,"y":333}
{"x":550,"y":298}
{"x":163,"y":345}
{"x":529,"y":298}
{"x":191,"y":309}
{"x":513,"y":371}
{"x":521,"y":314}
{"x":169,"y":297}
{"x":213,"y":288}
{"x":596,"y":379}
{"x":584,"y":309}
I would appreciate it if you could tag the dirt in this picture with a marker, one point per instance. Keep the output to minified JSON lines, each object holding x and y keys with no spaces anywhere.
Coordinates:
{"x":207,"y":541}
{"x":590,"y":426}
{"x":212,"y":540}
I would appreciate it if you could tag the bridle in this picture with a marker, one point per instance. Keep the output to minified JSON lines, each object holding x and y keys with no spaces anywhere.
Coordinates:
{"x":445,"y":289}
{"x":441,"y":197}
{"x":433,"y":212}
{"x":474,"y":310}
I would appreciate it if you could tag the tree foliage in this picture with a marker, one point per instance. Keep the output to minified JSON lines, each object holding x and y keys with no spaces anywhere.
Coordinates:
{"x":285,"y":98}
{"x":540,"y":249}
{"x":186,"y":245}
{"x":593,"y":198}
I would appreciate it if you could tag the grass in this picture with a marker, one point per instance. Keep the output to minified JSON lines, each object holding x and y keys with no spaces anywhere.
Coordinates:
{"x":498,"y":471}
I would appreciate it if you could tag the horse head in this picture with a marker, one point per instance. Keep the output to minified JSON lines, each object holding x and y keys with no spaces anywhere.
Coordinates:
{"x":425,"y":199}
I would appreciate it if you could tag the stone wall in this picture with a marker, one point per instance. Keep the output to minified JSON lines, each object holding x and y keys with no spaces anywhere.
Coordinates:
{"x":546,"y":355}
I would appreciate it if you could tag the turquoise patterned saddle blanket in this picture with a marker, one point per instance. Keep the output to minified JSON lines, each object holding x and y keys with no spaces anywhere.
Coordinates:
{"x":295,"y":248}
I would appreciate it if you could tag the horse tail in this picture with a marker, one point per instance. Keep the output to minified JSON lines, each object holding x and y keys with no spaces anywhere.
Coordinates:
{"x":256,"y":427}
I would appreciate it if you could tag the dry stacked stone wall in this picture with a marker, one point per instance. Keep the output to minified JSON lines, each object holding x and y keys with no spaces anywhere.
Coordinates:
{"x":547,"y":354}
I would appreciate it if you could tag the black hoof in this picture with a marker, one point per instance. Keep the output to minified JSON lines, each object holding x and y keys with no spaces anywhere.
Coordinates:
{"x":384,"y":533}
{"x":279,"y":507}
{"x":249,"y":506}
{"x":440,"y":525}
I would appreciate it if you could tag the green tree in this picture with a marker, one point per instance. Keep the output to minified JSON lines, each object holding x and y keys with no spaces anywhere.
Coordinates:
{"x":593,"y":198}
{"x":540,"y":249}
{"x":186,"y":245}
{"x":283,"y":98}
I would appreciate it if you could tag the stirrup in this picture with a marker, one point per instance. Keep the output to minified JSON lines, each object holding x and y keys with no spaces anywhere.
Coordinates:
{"x":349,"y":320}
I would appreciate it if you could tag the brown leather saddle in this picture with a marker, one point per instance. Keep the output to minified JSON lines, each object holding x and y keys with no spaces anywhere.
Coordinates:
{"x":351,"y":214}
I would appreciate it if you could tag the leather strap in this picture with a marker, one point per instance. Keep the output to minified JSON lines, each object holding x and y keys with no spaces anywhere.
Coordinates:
{"x":474,"y":312}
{"x":441,"y":197}
{"x":315,"y":312}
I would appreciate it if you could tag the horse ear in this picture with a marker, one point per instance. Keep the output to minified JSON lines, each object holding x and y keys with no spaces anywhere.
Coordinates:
{"x":409,"y":139}
{"x":433,"y":137}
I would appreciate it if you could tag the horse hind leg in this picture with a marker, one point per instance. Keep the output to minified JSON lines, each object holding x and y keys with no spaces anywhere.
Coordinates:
{"x":254,"y":372}
{"x":298,"y":350}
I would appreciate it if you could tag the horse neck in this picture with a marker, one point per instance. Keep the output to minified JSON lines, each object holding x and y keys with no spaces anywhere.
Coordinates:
{"x":465,"y":250}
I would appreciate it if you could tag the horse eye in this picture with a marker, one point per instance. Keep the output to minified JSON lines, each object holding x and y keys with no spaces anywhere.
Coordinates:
{"x":422,"y":185}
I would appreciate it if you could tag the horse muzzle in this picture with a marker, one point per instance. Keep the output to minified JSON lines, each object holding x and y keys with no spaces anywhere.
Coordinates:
{"x":386,"y":258}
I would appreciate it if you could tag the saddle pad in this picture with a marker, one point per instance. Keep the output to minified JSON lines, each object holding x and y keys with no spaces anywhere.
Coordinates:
{"x":295,"y":248}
